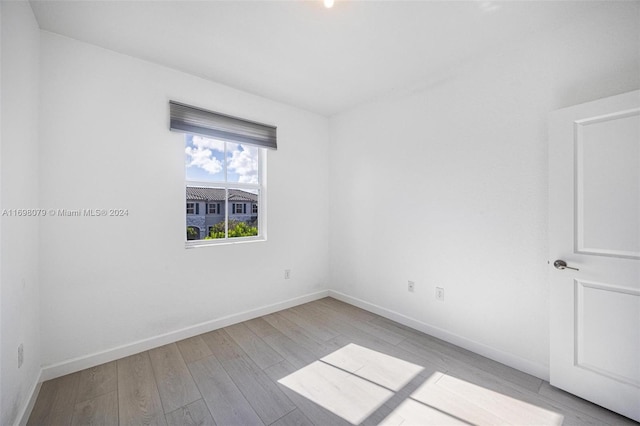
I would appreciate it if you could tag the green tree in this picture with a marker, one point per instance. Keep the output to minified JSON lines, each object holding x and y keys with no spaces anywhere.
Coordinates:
{"x":236,"y":229}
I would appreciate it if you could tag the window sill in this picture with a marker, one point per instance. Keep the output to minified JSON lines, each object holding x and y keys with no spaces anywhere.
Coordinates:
{"x":222,"y":242}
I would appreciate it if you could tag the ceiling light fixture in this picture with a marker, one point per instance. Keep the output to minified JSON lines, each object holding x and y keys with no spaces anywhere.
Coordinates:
{"x":328,"y":4}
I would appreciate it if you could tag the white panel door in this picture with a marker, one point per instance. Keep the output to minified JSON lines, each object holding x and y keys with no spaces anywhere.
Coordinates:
{"x":594,"y":226}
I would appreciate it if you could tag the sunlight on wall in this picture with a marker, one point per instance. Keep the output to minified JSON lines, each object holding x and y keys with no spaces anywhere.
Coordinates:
{"x":354,"y":382}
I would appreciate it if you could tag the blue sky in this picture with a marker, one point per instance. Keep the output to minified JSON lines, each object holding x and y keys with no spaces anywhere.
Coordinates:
{"x":205,"y":160}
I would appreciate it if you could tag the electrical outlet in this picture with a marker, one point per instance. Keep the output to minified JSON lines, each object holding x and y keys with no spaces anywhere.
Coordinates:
{"x":287,"y":274}
{"x":440,"y":294}
{"x":20,"y":355}
{"x":411,"y":286}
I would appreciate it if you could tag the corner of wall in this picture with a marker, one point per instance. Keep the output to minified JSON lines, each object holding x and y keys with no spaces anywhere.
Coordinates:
{"x":19,"y":286}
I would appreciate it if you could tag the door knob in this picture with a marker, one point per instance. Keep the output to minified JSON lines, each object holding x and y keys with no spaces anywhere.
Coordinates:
{"x":561,"y":264}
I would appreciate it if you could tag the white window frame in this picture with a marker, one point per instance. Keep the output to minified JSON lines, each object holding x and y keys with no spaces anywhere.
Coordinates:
{"x":261,"y":186}
{"x":193,"y":208}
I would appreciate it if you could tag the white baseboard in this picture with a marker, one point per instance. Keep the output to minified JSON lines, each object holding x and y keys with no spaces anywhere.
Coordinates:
{"x":23,"y":417}
{"x":535,"y":369}
{"x":91,"y":360}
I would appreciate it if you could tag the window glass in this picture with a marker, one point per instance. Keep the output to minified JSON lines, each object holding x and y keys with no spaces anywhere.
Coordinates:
{"x":225,"y":178}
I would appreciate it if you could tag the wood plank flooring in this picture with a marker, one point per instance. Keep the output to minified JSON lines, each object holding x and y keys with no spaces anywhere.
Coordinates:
{"x":321,"y":363}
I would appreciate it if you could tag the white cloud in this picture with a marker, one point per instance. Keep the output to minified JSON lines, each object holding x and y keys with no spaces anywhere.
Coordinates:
{"x":206,"y":143}
{"x":241,"y":160}
{"x":203,"y":158}
{"x":244,"y":163}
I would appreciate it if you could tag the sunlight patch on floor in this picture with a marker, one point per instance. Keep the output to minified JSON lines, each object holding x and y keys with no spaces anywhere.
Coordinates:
{"x":444,"y":399}
{"x":353,"y":382}
{"x":340,"y":392}
{"x":411,"y":412}
{"x":388,"y":371}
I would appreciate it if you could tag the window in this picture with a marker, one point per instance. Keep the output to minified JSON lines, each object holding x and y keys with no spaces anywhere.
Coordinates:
{"x":213,"y":208}
{"x":224,"y":170}
{"x":223,"y":174}
{"x":239,"y":208}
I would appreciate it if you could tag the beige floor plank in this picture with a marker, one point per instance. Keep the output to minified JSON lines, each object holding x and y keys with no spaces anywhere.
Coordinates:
{"x":56,"y":401}
{"x":508,"y":398}
{"x":138,"y":398}
{"x":175,"y":384}
{"x":265,"y":397}
{"x":97,"y":381}
{"x":299,"y":335}
{"x":320,"y":314}
{"x":254,"y":346}
{"x":512,"y":410}
{"x":388,"y":371}
{"x":320,"y":415}
{"x":260,"y":327}
{"x":471,"y":410}
{"x":394,"y":402}
{"x":412,"y":412}
{"x":294,"y":418}
{"x":297,"y":355}
{"x":194,"y":414}
{"x":193,"y":349}
{"x":428,"y":364}
{"x":315,"y":328}
{"x":454,"y":352}
{"x":348,"y":332}
{"x":348,"y":328}
{"x":226,"y":403}
{"x":465,"y":371}
{"x":443,"y":362}
{"x":390,"y":325}
{"x":101,"y":410}
{"x":336,"y":305}
{"x":352,"y":398}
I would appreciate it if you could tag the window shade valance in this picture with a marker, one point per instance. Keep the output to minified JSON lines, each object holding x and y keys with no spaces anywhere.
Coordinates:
{"x":188,"y":119}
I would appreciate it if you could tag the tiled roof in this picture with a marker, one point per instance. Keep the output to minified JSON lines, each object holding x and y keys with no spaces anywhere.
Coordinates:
{"x":217,"y":194}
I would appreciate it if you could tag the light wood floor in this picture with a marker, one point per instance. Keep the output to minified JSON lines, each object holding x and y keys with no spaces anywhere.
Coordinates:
{"x":322,"y":363}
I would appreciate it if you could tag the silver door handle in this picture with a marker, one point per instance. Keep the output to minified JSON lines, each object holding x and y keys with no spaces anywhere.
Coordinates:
{"x":561,"y":264}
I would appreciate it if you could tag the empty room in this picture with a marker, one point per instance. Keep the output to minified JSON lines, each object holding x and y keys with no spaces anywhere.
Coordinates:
{"x":319,"y":212}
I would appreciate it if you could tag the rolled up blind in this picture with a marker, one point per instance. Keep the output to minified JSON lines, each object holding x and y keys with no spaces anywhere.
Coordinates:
{"x":188,"y":119}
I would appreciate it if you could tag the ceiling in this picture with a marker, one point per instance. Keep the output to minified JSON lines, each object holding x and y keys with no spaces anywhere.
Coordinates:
{"x":300,"y":53}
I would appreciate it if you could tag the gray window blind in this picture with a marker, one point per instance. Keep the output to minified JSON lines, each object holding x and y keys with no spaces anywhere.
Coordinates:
{"x":188,"y":119}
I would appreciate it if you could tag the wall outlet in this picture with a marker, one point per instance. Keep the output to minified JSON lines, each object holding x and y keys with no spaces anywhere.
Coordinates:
{"x":411,"y":286}
{"x":287,"y":274}
{"x":440,"y":294}
{"x":20,"y":355}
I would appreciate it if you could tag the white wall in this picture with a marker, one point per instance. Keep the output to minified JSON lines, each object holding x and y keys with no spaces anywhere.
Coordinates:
{"x":105,"y":143}
{"x":19,"y":308}
{"x":466,"y":161}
